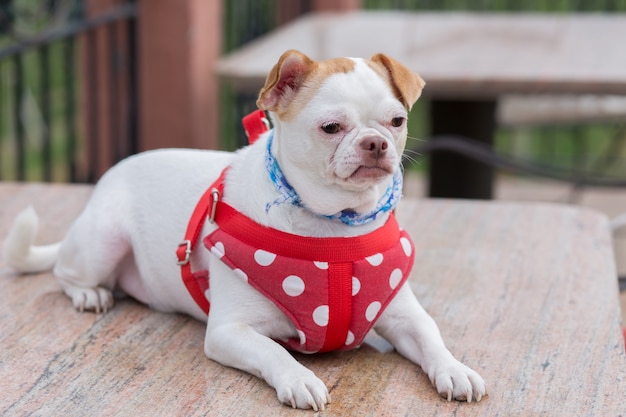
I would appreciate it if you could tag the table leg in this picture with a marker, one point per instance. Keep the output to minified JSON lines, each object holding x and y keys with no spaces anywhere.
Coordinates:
{"x":453,"y":175}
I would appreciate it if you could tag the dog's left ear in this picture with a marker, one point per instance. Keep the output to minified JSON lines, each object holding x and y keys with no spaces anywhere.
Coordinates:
{"x":407,"y":84}
{"x":284,"y":80}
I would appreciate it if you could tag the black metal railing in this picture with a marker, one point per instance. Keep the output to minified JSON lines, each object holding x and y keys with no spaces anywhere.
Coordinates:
{"x":245,"y":20}
{"x":54,"y":125}
{"x":49,"y":94}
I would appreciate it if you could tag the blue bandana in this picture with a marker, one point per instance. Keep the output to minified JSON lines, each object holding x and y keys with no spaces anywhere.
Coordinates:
{"x":288,"y":195}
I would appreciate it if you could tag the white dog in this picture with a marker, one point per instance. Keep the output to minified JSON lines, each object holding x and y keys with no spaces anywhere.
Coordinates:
{"x":303,"y":248}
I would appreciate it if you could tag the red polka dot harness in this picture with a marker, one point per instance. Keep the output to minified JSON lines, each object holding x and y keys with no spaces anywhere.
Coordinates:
{"x":332,"y":289}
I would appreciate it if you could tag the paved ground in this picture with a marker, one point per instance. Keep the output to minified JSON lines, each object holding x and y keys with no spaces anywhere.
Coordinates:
{"x":609,"y":201}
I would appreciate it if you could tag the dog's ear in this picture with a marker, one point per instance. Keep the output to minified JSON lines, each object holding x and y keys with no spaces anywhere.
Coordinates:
{"x":407,"y":85}
{"x":284,"y":80}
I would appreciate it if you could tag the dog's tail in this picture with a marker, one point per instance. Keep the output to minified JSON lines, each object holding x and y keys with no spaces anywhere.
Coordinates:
{"x":19,"y":252}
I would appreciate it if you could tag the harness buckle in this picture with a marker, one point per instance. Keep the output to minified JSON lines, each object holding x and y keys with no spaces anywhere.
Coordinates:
{"x":216,"y":197}
{"x":185,"y":260}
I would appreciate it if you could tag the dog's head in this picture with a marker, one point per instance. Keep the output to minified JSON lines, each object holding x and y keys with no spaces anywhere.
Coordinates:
{"x":340,"y":126}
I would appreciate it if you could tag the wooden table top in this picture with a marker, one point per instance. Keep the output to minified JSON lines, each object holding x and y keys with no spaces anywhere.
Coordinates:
{"x":525,"y":294}
{"x":458,"y":54}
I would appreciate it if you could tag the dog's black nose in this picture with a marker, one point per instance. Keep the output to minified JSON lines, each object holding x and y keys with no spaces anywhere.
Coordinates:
{"x":375,"y":146}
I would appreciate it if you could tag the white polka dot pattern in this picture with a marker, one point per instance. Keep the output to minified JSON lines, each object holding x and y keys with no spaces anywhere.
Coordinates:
{"x":372,"y":311}
{"x":264,"y":258}
{"x":356,"y":286}
{"x":395,"y":278}
{"x":300,"y":288}
{"x":218,"y":250}
{"x":293,"y":285}
{"x":321,"y":265}
{"x":320,"y":316}
{"x":241,"y":274}
{"x":302,"y":337}
{"x":407,"y":247}
{"x":349,"y":338}
{"x":375,"y":260}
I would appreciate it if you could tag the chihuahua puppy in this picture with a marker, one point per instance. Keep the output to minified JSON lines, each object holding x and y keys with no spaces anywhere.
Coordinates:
{"x":301,"y":247}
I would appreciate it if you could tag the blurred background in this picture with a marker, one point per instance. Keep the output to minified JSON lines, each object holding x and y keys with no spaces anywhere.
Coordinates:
{"x":85,"y":83}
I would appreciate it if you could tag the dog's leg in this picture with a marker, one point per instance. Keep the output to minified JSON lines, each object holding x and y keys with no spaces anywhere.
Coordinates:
{"x":241,"y":326}
{"x":414,"y":334}
{"x":88,"y":258}
{"x":240,"y":346}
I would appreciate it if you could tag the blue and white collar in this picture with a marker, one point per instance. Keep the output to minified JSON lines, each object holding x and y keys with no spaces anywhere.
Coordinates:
{"x":288,"y":195}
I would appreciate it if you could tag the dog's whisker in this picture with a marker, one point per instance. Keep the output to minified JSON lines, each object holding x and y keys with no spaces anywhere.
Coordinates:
{"x":415,"y":139}
{"x":412,"y":154}
{"x":412,"y":160}
{"x":412,"y":151}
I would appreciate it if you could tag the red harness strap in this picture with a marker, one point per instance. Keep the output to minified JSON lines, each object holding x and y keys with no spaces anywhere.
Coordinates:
{"x":205,"y":207}
{"x":339,"y":252}
{"x":255,"y":124}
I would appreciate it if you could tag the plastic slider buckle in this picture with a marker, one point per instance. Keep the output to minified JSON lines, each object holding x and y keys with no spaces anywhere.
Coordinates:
{"x":185,"y":260}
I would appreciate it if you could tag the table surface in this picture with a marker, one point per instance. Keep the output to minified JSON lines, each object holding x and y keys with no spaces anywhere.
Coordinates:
{"x":458,"y":54}
{"x":525,"y":294}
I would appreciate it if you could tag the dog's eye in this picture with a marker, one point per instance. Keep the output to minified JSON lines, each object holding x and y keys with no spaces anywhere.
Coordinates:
{"x":397,"y":121}
{"x":331,"y":128}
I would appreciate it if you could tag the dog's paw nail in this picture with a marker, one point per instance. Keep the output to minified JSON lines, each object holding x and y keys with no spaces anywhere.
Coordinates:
{"x":81,"y":308}
{"x":96,"y":299}
{"x":303,"y":390}
{"x":455,"y":381}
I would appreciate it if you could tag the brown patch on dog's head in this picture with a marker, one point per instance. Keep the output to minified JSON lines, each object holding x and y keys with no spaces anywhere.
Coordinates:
{"x":296,"y":77}
{"x":405,"y":84}
{"x":295,"y":74}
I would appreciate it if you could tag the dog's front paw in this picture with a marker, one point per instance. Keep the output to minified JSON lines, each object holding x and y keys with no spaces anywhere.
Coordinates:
{"x":453,"y":380}
{"x":302,"y":389}
{"x":96,"y":299}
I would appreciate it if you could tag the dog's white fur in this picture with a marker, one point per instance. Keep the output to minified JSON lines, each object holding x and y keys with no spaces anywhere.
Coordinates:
{"x":126,"y":236}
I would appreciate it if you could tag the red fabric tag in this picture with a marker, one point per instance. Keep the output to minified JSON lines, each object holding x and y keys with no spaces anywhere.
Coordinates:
{"x":255,"y":124}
